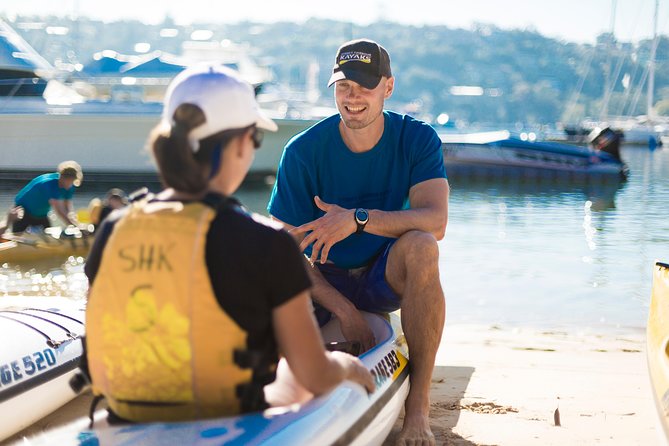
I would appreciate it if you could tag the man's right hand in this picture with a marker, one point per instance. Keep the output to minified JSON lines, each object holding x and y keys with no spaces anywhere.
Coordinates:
{"x":354,"y":327}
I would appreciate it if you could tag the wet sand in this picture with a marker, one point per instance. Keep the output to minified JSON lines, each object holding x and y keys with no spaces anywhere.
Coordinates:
{"x":495,"y":386}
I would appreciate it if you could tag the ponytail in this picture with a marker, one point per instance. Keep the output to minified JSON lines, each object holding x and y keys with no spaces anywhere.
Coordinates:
{"x":178,"y":167}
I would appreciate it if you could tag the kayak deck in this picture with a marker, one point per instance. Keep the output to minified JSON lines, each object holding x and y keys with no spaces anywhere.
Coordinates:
{"x":657,"y":338}
{"x":345,"y":416}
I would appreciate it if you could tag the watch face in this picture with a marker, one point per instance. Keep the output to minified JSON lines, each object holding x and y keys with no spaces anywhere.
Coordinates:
{"x":361,"y":216}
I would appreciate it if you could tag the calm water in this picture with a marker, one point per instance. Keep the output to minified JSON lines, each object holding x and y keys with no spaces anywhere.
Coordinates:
{"x":556,"y":256}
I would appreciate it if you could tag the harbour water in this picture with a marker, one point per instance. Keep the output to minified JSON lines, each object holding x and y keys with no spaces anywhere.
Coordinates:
{"x":558,"y":256}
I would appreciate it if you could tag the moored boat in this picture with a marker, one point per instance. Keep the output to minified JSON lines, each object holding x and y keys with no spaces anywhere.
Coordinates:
{"x":657,"y":343}
{"x":40,"y":352}
{"x":43,"y":126}
{"x":499,"y":153}
{"x":347,"y":415}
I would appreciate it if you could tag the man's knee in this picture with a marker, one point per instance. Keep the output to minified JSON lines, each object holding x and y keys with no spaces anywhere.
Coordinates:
{"x":418,"y":248}
{"x":414,"y":257}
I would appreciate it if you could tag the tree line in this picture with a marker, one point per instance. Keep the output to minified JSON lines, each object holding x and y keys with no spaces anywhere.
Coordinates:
{"x":515,"y":75}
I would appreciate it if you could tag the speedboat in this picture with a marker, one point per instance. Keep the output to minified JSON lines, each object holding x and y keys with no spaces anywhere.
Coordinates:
{"x":499,"y":153}
{"x":347,"y":415}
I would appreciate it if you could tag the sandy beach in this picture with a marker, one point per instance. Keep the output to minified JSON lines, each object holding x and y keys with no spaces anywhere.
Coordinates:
{"x":496,"y":386}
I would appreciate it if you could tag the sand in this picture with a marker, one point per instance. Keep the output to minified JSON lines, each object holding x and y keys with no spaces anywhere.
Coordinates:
{"x":501,"y":387}
{"x":496,"y":386}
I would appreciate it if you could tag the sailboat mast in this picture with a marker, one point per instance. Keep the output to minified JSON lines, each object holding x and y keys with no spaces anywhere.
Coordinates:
{"x":651,"y":67}
{"x":608,"y":81}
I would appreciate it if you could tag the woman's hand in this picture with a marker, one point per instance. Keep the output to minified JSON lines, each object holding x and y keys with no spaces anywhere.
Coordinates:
{"x":355,"y":370}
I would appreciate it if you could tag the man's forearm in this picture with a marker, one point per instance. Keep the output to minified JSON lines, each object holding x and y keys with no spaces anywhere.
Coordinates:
{"x":394,"y":224}
{"x":428,"y":212}
{"x":326,"y":295}
{"x":64,"y":211}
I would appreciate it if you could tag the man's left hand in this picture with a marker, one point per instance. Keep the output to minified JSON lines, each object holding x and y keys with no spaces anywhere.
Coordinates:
{"x":337,"y":224}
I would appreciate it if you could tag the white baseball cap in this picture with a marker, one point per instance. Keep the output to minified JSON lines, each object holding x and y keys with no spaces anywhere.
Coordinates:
{"x":228,"y":101}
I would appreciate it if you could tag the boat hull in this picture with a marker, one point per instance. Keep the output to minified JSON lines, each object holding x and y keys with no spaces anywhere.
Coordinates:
{"x":40,"y":351}
{"x":345,"y":416}
{"x":515,"y":157}
{"x":105,"y":138}
{"x":657,"y":343}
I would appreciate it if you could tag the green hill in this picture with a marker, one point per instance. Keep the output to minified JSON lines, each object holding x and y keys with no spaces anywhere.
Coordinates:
{"x":519,"y":76}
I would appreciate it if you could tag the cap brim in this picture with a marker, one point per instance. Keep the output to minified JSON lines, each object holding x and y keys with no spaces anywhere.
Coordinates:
{"x":366,"y":80}
{"x":263,"y":122}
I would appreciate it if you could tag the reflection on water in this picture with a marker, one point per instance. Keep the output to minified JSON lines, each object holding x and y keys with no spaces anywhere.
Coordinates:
{"x":44,"y":278}
{"x":555,"y":254}
{"x":538,"y":253}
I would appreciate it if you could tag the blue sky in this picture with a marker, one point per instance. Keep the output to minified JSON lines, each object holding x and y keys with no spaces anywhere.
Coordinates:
{"x":570,"y":20}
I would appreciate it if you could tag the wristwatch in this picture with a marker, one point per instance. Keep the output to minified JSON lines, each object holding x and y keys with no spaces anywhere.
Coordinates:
{"x":361,"y":218}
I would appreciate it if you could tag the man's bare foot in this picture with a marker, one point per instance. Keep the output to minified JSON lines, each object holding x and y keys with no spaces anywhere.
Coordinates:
{"x":416,"y":432}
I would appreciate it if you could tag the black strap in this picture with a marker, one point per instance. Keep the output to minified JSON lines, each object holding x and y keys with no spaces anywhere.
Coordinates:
{"x":220,"y":202}
{"x":251,"y":395}
{"x":91,"y":410}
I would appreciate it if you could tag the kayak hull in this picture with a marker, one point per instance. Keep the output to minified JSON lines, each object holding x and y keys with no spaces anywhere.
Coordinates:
{"x":41,"y":349}
{"x":345,"y":416}
{"x":29,"y":248}
{"x":657,"y":338}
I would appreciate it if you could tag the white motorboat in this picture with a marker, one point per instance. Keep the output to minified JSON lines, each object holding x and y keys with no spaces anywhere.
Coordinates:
{"x":43,"y":122}
{"x":106,"y":138}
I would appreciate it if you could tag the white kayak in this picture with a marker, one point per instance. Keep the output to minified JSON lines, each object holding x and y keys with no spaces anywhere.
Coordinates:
{"x":345,"y":416}
{"x":41,"y":348}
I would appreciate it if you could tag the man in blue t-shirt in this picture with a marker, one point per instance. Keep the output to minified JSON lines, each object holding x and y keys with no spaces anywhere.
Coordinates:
{"x":365,"y":193}
{"x":47,"y":191}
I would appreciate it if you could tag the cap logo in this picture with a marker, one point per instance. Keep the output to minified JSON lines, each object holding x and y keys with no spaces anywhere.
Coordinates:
{"x":356,"y":56}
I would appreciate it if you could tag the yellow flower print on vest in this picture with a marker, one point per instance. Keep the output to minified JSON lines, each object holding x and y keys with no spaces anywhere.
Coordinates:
{"x":149,"y":349}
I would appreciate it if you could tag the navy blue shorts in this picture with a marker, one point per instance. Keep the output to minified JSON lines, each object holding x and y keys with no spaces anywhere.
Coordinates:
{"x":365,"y":287}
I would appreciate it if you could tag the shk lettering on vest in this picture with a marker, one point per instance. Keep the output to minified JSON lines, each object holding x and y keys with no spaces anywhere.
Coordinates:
{"x":146,"y":257}
{"x":158,"y":341}
{"x":356,"y":56}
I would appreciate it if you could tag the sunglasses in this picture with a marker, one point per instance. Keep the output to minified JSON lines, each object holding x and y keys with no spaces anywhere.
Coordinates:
{"x":257,"y":136}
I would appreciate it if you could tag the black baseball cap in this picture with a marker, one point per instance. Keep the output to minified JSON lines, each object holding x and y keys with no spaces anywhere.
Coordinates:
{"x":363,"y":61}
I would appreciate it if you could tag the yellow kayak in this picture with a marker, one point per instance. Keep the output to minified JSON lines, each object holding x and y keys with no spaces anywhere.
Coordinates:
{"x":50,"y":244}
{"x":657,"y":338}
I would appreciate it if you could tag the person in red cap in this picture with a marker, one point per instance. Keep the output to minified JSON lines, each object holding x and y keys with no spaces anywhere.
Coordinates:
{"x":365,"y":193}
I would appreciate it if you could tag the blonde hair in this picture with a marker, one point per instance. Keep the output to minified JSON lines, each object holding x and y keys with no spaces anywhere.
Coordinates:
{"x":71,"y":169}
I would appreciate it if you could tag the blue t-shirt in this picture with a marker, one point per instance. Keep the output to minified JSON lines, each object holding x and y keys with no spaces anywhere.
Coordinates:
{"x":35,"y":196}
{"x":317,"y":162}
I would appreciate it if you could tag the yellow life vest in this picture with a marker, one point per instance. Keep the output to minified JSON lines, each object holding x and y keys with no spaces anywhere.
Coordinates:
{"x":159,"y":346}
{"x":94,"y":211}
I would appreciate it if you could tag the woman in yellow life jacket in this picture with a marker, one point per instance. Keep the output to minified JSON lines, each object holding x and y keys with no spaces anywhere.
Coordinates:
{"x":192,"y":298}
